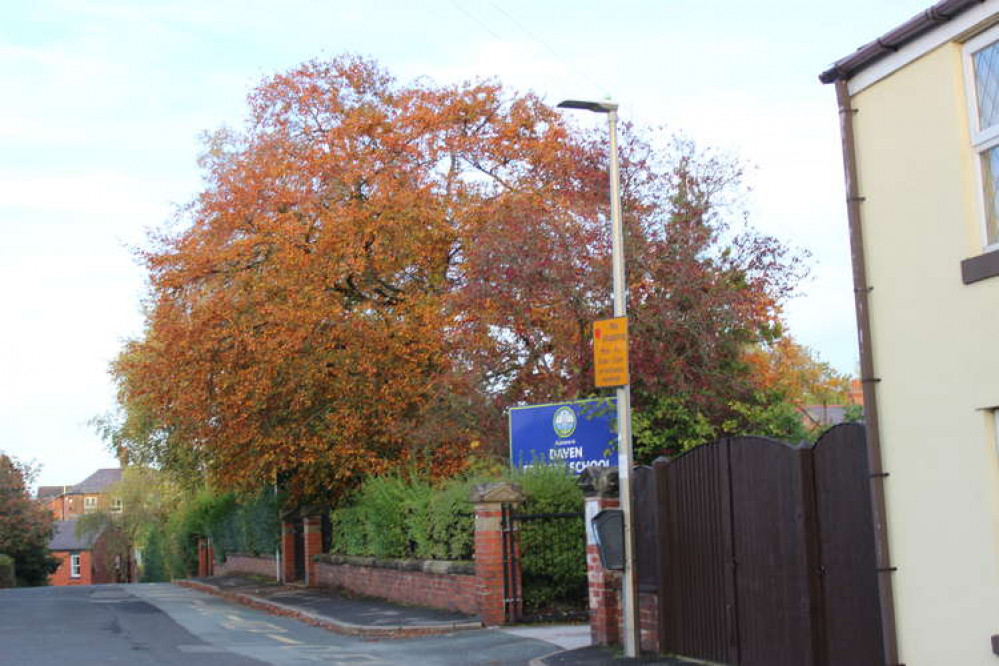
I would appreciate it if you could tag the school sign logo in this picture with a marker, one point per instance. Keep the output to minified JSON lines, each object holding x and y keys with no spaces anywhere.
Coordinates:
{"x":578,"y":434}
{"x":564,"y":422}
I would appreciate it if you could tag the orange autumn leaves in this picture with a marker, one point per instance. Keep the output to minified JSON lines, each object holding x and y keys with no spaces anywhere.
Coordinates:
{"x":375,"y":270}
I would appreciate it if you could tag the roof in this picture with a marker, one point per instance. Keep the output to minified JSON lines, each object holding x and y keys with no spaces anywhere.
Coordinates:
{"x":65,"y":537}
{"x":892,"y":41}
{"x":48,"y":492}
{"x":97,"y":482}
{"x":826,"y":415}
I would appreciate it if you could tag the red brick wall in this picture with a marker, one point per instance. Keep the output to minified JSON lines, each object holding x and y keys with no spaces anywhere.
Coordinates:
{"x":454,"y":592}
{"x":648,"y":621}
{"x":313,"y":528}
{"x":238,"y":563}
{"x":62,"y":574}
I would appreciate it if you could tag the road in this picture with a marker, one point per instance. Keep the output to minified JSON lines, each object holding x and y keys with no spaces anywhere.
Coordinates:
{"x":166,"y":625}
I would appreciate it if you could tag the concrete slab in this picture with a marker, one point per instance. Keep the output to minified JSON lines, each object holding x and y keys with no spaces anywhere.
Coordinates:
{"x":565,"y":636}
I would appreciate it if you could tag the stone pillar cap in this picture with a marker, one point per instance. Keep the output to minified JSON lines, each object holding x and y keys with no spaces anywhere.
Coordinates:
{"x":500,"y":492}
{"x":599,"y":481}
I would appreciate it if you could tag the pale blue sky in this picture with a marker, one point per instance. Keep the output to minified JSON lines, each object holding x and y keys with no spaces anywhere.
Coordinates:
{"x":102,"y":103}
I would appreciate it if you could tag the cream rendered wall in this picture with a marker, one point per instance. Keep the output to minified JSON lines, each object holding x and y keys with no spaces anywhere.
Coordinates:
{"x":936,"y":350}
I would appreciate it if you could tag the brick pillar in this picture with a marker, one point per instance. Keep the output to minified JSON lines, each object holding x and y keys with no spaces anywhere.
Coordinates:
{"x":287,"y":551}
{"x":493,"y":586}
{"x":600,"y":489}
{"x":202,"y":558}
{"x":313,"y":526}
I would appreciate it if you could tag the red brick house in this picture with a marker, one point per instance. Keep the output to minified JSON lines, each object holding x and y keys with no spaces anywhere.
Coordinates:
{"x":67,"y":502}
{"x":83,"y":560}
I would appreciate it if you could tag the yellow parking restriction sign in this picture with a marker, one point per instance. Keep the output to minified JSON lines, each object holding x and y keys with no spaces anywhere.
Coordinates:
{"x":610,"y":352}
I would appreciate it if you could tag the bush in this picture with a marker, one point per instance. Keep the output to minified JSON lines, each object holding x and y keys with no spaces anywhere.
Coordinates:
{"x":244,"y":525}
{"x":383,"y":502}
{"x":553,"y":550}
{"x":390,"y":517}
{"x":451,"y":522}
{"x":154,"y":568}
{"x":393,"y":518}
{"x":7,"y":578}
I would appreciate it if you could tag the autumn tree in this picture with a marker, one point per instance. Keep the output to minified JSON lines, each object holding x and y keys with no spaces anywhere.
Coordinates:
{"x":26,"y":526}
{"x":374,"y":271}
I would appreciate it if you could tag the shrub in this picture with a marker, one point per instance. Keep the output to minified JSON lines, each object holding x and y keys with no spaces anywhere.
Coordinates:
{"x":391,"y":517}
{"x":7,"y":578}
{"x":553,"y":550}
{"x":450,"y":522}
{"x":154,"y":568}
{"x":244,"y":525}
{"x":383,"y":505}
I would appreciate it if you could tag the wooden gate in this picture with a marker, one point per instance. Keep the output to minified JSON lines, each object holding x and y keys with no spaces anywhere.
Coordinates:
{"x":766,"y":553}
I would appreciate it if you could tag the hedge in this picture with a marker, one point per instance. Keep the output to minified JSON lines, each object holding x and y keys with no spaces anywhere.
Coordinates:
{"x":234,"y":524}
{"x":7,"y":578}
{"x":389,"y":517}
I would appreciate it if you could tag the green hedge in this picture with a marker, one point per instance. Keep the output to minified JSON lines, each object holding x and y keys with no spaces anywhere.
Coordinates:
{"x":234,"y":524}
{"x":389,"y":517}
{"x":553,"y":550}
{"x":7,"y":578}
{"x":392,"y":518}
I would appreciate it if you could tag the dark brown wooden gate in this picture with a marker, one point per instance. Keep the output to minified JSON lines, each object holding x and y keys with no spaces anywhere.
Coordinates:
{"x":766,"y":553}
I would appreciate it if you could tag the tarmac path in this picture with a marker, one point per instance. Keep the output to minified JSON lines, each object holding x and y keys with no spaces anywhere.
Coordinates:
{"x":167,"y":625}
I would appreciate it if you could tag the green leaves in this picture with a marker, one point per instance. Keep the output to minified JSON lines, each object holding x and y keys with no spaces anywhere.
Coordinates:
{"x":26,"y":525}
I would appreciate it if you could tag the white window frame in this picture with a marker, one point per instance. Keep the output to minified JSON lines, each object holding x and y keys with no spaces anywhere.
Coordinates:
{"x":89,"y":503}
{"x":74,"y":565}
{"x":981,"y":140}
{"x":117,"y":506}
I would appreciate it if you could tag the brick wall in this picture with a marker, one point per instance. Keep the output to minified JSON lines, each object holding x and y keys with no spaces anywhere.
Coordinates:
{"x":406,"y":581}
{"x":62,"y":574}
{"x":648,"y":621}
{"x":242,"y":563}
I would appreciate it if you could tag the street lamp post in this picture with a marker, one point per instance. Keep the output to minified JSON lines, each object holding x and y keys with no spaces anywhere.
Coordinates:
{"x":624,"y":455}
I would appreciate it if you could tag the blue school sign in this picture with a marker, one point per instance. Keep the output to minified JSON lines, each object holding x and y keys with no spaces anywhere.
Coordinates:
{"x":579,"y":434}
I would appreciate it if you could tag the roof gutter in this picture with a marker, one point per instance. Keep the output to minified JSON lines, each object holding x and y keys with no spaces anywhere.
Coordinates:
{"x":892,"y":41}
{"x":868,"y":380}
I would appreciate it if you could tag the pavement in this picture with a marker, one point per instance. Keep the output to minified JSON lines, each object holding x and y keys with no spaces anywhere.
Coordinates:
{"x":348,"y":614}
{"x":335,"y":610}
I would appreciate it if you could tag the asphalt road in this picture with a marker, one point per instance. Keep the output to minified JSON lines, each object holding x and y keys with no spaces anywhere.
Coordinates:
{"x":165,"y":625}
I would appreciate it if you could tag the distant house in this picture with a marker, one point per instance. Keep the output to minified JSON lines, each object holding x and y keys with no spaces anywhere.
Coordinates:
{"x":68,"y":502}
{"x":919,"y":113}
{"x":83,"y":561}
{"x":826,"y":416}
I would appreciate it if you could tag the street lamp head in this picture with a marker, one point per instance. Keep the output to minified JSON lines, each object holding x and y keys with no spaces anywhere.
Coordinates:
{"x":596,"y":107}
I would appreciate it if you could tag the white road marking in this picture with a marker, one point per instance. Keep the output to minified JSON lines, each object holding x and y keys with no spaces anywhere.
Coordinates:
{"x":284,"y":639}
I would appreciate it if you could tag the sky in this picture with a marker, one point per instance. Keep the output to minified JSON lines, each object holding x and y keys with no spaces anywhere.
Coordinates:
{"x":103,"y":105}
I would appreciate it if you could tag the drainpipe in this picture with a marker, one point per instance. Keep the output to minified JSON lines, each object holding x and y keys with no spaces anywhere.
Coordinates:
{"x":868,"y":380}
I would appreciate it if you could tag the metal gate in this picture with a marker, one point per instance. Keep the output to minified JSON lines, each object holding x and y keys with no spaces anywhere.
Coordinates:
{"x":544,"y":566}
{"x":767,"y":553}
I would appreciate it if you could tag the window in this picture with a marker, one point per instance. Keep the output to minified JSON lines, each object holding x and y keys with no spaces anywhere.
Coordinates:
{"x":982,"y":84}
{"x":74,"y":565}
{"x":89,"y":503}
{"x":116,"y":505}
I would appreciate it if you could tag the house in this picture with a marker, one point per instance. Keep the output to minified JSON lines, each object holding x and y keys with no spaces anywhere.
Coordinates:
{"x":827,"y":415}
{"x":919,"y":113}
{"x":82,"y":560}
{"x":67,"y":502}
